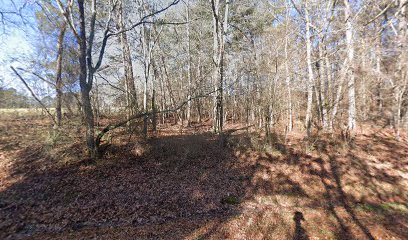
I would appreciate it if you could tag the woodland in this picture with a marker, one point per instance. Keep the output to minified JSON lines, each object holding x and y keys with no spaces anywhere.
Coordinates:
{"x":204,"y":119}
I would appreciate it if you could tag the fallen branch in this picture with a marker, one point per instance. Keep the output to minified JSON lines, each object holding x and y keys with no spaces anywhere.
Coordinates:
{"x":33,"y":94}
{"x":140,"y":115}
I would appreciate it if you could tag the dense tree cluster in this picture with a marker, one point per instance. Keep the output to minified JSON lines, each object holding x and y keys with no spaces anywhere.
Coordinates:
{"x":288,"y":64}
{"x":10,"y":98}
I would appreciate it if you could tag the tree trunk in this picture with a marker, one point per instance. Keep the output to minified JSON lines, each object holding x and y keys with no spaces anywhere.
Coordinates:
{"x":322,"y":87}
{"x":188,"y":63}
{"x":58,"y":80}
{"x":288,"y":87}
{"x":350,"y":55}
{"x":329,"y":90}
{"x":131,"y":97}
{"x":308,"y":120}
{"x":218,"y":58}
{"x":401,"y":77}
{"x":337,"y":99}
{"x":146,"y":62}
{"x":84,"y":85}
{"x":364,"y":105}
{"x":154,"y":110}
{"x":379,"y":79}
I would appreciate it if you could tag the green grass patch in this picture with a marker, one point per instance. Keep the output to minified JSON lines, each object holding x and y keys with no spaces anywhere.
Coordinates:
{"x":384,"y":207}
{"x":230,"y":200}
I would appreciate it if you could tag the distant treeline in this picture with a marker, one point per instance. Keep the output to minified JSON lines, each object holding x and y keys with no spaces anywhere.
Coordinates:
{"x":11,"y":98}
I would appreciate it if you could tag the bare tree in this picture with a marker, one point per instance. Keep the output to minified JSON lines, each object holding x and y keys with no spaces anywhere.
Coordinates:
{"x":219,"y":29}
{"x":131,"y":95}
{"x":350,"y":67}
{"x":308,"y":120}
{"x":58,"y":79}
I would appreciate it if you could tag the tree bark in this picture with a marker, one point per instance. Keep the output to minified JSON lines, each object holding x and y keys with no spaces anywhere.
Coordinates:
{"x":145,"y":39}
{"x":131,"y":96}
{"x":322,"y":87}
{"x":84,"y":85}
{"x":401,"y":78}
{"x":288,"y":87}
{"x":337,"y":99}
{"x":188,"y":62}
{"x":350,"y":70}
{"x":219,"y":30}
{"x":308,"y":120}
{"x":58,"y":79}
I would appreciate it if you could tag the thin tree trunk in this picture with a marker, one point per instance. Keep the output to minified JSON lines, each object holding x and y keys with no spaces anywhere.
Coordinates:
{"x":328,"y":88}
{"x":146,"y":59}
{"x":58,"y":80}
{"x":169,"y":89}
{"x":364,"y":107}
{"x":198,"y":102}
{"x":218,"y":59}
{"x":163,"y":100}
{"x":131,"y":96}
{"x":378,"y":72}
{"x":289,"y":100}
{"x":216,"y":42}
{"x":338,"y":95}
{"x":222,"y":66}
{"x":308,"y":120}
{"x":322,"y":88}
{"x":154,"y":110}
{"x":401,"y":77}
{"x":350,"y":55}
{"x":189,"y":62}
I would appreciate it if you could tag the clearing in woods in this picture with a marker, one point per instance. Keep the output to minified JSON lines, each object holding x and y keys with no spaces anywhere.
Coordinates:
{"x":182,"y":184}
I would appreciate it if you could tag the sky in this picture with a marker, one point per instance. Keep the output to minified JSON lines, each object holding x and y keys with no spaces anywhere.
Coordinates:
{"x":14,"y":40}
{"x":17,"y":38}
{"x":12,"y":49}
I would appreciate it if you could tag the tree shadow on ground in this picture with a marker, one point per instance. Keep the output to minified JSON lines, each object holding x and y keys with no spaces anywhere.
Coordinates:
{"x":350,"y":182}
{"x":361,"y":173}
{"x":175,"y":186}
{"x":186,"y":187}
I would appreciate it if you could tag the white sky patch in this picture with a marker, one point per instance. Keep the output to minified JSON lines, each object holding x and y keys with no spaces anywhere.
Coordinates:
{"x":15,"y":47}
{"x":14,"y":51}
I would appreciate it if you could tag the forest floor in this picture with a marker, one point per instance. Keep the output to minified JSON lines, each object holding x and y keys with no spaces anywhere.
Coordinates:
{"x":185,"y":184}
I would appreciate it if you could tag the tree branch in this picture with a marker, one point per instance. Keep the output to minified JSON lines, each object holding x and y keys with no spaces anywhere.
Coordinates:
{"x":68,"y":16}
{"x":33,"y":94}
{"x":379,"y":14}
{"x":37,"y":75}
{"x":140,"y":115}
{"x":107,"y":35}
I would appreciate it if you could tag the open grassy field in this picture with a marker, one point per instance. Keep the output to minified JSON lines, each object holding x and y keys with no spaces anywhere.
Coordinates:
{"x":182,"y":184}
{"x":25,"y":112}
{"x":22,"y":111}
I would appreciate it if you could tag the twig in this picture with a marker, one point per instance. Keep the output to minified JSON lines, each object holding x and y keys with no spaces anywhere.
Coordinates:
{"x":33,"y":94}
{"x":140,"y":115}
{"x":379,"y":14}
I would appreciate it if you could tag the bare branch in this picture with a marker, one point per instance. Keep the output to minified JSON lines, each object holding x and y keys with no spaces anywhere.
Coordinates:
{"x":140,"y":115}
{"x":107,"y":35}
{"x":33,"y":94}
{"x":67,"y":13}
{"x":37,"y":75}
{"x":379,"y":14}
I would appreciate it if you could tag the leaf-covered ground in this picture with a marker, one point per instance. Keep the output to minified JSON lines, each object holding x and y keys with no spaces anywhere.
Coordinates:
{"x":185,"y":184}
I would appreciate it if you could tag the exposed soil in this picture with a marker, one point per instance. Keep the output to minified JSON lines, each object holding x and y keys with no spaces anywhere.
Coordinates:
{"x":187,"y":184}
